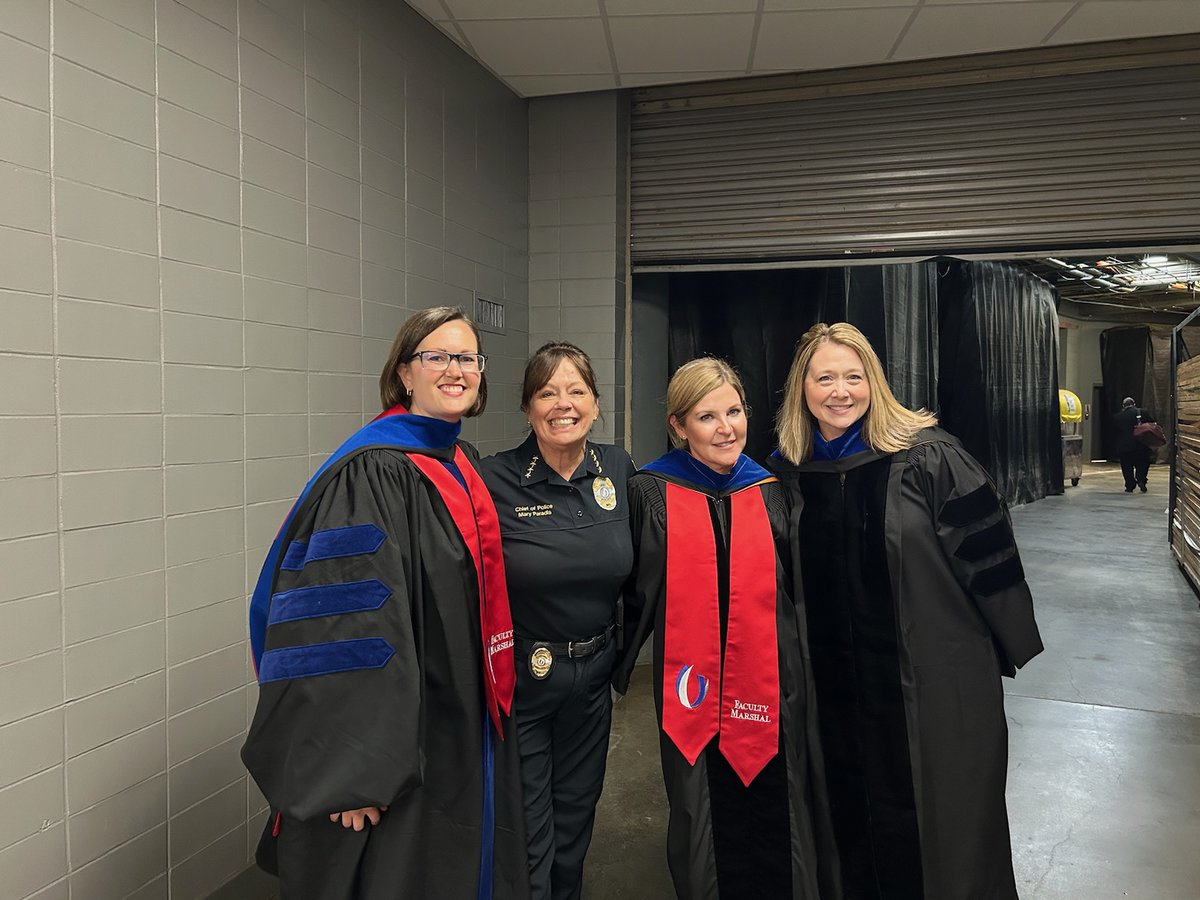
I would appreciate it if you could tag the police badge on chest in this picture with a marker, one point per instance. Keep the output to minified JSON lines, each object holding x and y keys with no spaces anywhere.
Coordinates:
{"x":605,"y":494}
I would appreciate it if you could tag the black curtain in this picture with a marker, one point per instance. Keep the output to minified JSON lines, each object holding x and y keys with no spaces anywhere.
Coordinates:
{"x":998,"y":391}
{"x":974,"y":342}
{"x":754,"y":320}
{"x":912,"y":360}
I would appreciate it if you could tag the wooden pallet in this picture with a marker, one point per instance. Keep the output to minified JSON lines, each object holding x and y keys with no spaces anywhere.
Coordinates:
{"x":1185,"y":528}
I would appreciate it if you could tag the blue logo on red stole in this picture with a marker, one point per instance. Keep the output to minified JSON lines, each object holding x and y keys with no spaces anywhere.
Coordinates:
{"x":681,"y":688}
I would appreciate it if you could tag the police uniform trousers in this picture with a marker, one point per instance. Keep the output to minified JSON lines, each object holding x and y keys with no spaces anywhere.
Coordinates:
{"x":562,"y":723}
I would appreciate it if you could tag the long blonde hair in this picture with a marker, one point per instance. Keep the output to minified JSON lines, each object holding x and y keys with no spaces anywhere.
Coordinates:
{"x":691,"y":383}
{"x":887,"y":426}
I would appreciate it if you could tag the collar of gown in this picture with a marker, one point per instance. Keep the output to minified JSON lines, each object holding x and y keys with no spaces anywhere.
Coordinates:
{"x":682,"y":466}
{"x":847,"y":443}
{"x":405,"y":429}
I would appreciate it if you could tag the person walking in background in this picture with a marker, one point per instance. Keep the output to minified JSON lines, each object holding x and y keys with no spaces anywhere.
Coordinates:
{"x":1134,"y":455}
{"x":731,"y":683}
{"x":383,"y":644}
{"x":563,"y":506}
{"x":916,"y":605}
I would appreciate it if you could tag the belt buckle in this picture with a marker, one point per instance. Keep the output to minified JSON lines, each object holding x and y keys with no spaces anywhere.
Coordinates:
{"x":541,"y":660}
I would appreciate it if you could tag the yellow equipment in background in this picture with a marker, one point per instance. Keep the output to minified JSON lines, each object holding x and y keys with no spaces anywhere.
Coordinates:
{"x":1069,"y":407}
{"x":1070,"y":415}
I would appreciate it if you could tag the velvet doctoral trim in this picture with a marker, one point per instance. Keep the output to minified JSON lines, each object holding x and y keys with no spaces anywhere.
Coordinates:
{"x":392,"y":428}
{"x":324,"y":659}
{"x":328,"y":600}
{"x":333,"y":543}
{"x":681,"y":465}
{"x":847,"y":443}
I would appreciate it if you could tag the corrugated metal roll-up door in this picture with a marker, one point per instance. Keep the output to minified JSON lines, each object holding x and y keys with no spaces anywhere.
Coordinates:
{"x":1071,"y":147}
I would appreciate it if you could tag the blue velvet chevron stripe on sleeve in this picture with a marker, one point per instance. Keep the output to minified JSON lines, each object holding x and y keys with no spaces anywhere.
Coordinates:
{"x":324,"y":659}
{"x":327,"y":600}
{"x":351,"y":540}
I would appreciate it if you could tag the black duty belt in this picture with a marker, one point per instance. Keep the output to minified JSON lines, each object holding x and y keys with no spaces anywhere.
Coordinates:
{"x":541,"y":654}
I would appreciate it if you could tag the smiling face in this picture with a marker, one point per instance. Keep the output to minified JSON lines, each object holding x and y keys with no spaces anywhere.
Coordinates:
{"x":836,"y":389}
{"x":561,"y":411}
{"x":715,"y":429}
{"x":446,"y":395}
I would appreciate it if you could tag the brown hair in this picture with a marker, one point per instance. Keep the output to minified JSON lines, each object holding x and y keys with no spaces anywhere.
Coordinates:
{"x":691,"y":383}
{"x":415,"y":329}
{"x":887,"y":426}
{"x":544,"y":363}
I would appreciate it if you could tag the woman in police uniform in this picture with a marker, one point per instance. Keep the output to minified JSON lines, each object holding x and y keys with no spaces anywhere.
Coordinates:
{"x":561,"y":500}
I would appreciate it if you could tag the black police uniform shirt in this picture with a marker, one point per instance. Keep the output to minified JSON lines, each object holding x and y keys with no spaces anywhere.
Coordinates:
{"x":567,"y":545}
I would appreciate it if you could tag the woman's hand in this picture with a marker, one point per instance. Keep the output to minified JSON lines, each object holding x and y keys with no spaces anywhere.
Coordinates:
{"x":358,"y":818}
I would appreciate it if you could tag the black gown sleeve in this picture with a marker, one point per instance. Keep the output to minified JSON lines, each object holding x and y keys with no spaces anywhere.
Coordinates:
{"x":778,"y":502}
{"x":975,"y":533}
{"x":627,"y":602}
{"x":647,"y":517}
{"x":335,"y":729}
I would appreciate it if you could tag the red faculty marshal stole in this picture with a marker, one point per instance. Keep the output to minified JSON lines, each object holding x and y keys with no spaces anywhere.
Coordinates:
{"x":474,"y":515}
{"x":703,"y":695}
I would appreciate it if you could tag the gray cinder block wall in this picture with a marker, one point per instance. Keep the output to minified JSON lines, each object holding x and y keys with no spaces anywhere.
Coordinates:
{"x":578,"y":236}
{"x":215,"y":215}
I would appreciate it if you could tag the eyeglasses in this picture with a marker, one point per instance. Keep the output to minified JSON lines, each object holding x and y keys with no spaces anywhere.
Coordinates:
{"x":439,"y":360}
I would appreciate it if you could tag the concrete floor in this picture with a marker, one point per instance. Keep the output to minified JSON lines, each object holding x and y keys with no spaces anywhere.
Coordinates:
{"x":1104,"y":772}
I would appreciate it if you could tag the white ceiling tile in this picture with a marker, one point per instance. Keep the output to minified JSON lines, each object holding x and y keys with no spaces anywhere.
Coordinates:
{"x":827,"y":39}
{"x":791,"y":5}
{"x":1098,"y":20}
{"x":541,"y":46}
{"x":678,"y":43}
{"x":522,"y":9}
{"x":980,"y":28}
{"x":544,"y":85}
{"x":659,"y":7}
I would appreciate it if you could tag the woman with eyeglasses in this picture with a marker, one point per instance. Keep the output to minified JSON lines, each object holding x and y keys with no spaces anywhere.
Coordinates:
{"x":561,"y":500}
{"x":383,"y":644}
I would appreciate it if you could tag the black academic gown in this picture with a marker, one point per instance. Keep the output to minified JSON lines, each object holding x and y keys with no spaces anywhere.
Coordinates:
{"x":726,"y":840}
{"x":916,"y":604}
{"x":410,"y":735}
